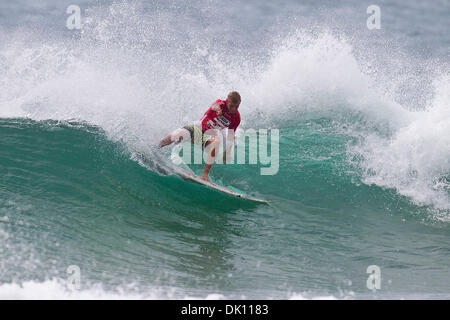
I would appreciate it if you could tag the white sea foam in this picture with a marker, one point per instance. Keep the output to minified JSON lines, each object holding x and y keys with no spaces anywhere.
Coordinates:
{"x":57,"y":290}
{"x":416,"y":159}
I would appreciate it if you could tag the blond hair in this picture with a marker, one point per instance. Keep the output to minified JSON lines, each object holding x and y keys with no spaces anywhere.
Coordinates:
{"x":234,"y":96}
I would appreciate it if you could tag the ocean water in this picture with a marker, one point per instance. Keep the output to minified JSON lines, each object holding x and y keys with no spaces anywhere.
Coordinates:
{"x":364,"y":150}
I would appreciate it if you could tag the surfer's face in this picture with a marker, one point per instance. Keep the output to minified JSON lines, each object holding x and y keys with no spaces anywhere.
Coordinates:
{"x":232,"y":106}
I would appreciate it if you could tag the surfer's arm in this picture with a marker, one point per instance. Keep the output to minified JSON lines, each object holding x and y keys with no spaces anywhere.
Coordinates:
{"x":216,"y":108}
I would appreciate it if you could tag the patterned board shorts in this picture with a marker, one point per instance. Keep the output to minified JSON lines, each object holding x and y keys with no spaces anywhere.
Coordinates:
{"x":197,"y":136}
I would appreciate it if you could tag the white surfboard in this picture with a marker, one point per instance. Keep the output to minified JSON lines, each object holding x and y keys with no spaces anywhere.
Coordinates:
{"x":169,"y":168}
{"x":186,"y":175}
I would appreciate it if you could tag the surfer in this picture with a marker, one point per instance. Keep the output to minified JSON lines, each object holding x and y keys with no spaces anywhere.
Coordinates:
{"x":221,"y":114}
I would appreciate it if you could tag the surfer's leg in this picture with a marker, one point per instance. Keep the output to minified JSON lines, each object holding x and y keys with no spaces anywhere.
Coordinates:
{"x":206,"y":172}
{"x":212,"y":145}
{"x":165,"y":141}
{"x":176,"y":136}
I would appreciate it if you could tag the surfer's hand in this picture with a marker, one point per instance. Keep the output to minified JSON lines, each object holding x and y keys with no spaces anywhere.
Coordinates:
{"x":216,"y":108}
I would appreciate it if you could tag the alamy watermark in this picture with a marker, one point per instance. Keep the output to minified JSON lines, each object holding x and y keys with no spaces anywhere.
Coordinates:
{"x":374,"y":280}
{"x":73,"y":281}
{"x":374,"y":20}
{"x":74,"y":20}
{"x":257,"y":147}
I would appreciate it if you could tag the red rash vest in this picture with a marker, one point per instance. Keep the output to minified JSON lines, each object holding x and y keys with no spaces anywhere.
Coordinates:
{"x":210,"y":120}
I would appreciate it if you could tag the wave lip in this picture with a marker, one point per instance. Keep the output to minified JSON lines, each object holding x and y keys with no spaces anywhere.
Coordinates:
{"x":415,"y":161}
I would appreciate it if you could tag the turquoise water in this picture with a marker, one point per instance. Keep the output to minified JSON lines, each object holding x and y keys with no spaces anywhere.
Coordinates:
{"x":72,"y":197}
{"x":364,"y":170}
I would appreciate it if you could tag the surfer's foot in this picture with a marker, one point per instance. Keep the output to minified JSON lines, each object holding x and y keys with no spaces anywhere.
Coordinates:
{"x":205,"y":177}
